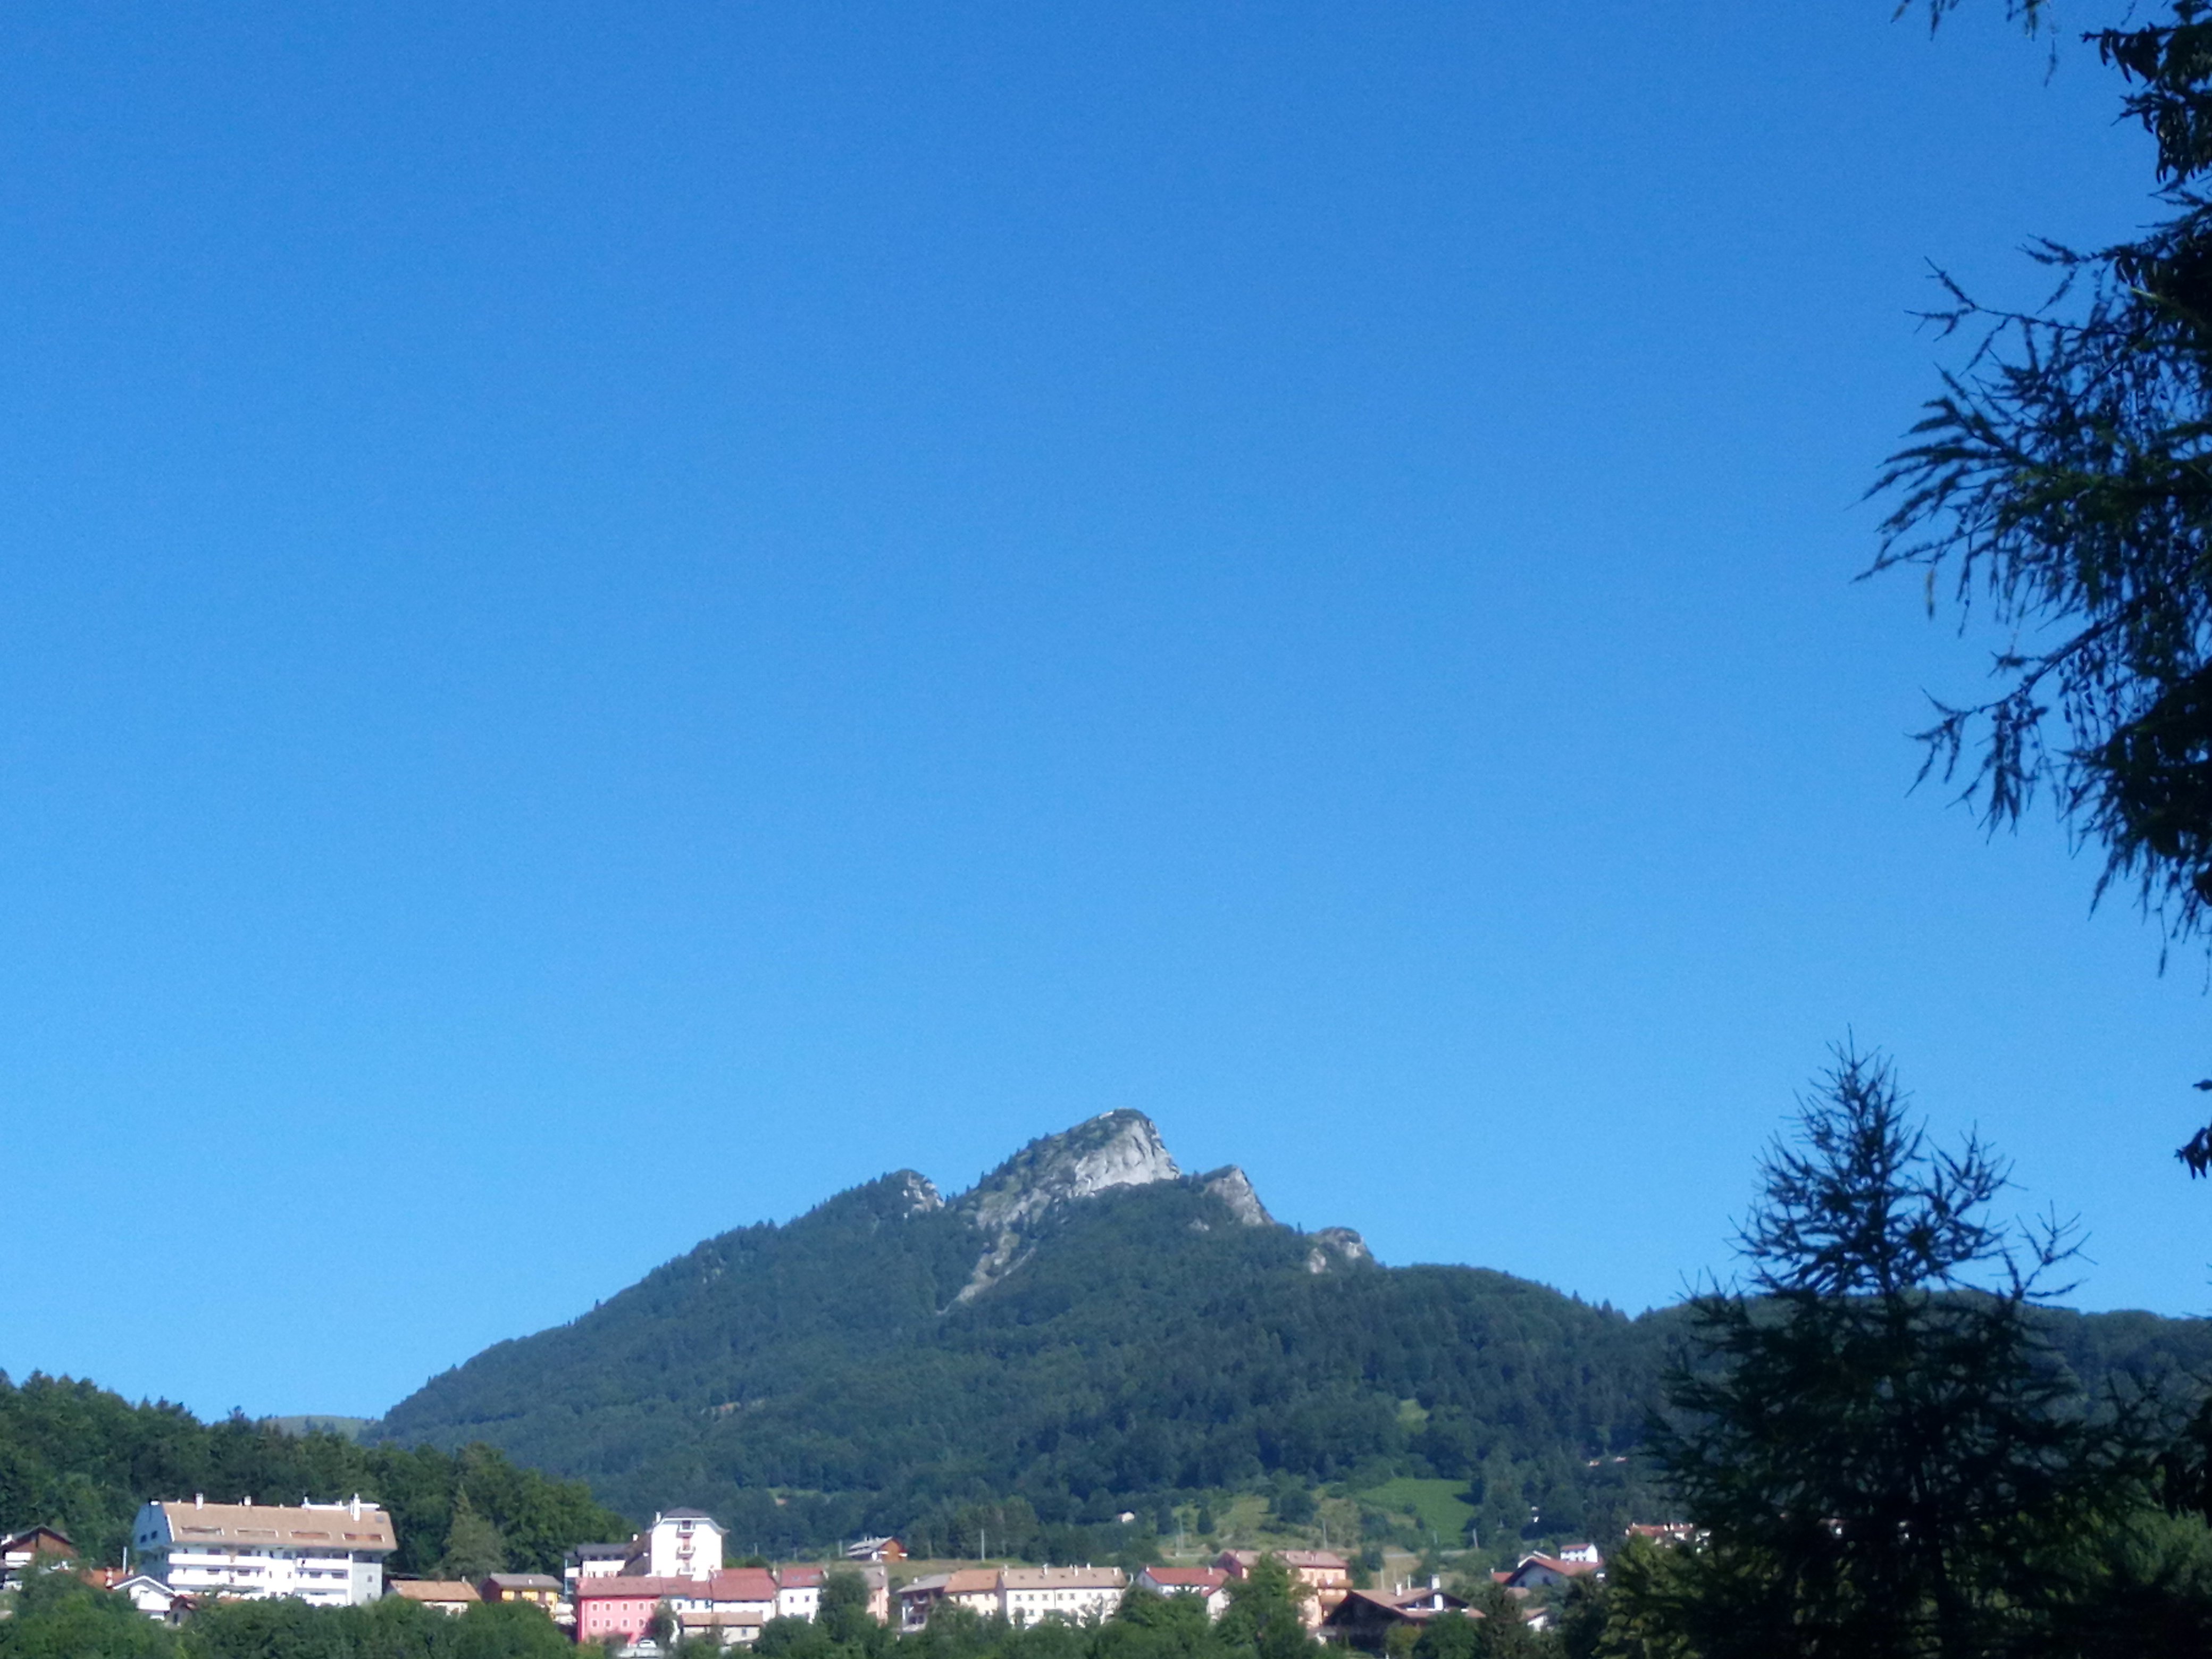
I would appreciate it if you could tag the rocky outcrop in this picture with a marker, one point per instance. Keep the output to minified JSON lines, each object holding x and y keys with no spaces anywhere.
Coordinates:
{"x":919,"y":1192}
{"x":1334,"y":1247}
{"x":1233,"y":1188}
{"x":1117,"y":1149}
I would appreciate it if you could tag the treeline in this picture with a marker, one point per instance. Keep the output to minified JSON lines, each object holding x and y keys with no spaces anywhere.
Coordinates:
{"x":817,"y":1380}
{"x":59,"y":1616}
{"x":1878,"y":1446}
{"x":75,"y":1457}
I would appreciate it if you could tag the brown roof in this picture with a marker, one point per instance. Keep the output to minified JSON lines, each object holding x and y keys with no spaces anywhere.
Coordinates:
{"x":738,"y":1584}
{"x":594,"y":1590}
{"x":433,"y":1589}
{"x":801,"y":1577}
{"x":971,"y":1581}
{"x":40,"y":1541}
{"x":1564,"y":1568}
{"x":323,"y":1527}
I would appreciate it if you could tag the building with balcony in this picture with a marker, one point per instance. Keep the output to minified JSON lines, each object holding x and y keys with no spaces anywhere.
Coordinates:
{"x":327,"y":1555}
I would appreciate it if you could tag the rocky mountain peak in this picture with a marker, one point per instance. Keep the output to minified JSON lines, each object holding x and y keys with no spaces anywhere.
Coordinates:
{"x":1115,"y":1149}
{"x":918,"y":1192}
{"x":1234,"y":1188}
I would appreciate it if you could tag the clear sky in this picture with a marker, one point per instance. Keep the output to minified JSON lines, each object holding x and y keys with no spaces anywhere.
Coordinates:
{"x":616,"y":618}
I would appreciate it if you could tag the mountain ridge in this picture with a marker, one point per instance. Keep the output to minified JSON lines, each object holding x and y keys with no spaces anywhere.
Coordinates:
{"x":1091,"y":1331}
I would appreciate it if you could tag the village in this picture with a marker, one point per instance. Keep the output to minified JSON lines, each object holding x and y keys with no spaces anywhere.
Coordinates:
{"x":671,"y":1582}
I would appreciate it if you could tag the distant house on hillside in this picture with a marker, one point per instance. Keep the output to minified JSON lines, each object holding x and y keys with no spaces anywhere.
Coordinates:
{"x":20,"y":1550}
{"x":1365,"y":1619}
{"x":452,"y":1595}
{"x":151,"y":1596}
{"x":1210,"y":1584}
{"x":1664,"y":1532}
{"x":875,"y":1549}
{"x":1327,"y":1574}
{"x":729,"y":1608}
{"x":1536,"y":1571}
{"x":538,"y":1588}
{"x":976,"y":1588}
{"x":918,"y":1600}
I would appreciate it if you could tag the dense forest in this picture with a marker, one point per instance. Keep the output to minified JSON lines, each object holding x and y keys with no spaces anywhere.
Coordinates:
{"x":1151,"y":1348}
{"x":75,"y":1456}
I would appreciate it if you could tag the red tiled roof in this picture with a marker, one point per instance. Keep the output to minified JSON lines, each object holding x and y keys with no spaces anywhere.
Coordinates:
{"x":801,"y":1577}
{"x":616,"y":1587}
{"x":738,"y":1584}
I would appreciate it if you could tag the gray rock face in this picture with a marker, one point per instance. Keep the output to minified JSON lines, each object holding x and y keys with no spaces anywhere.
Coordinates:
{"x":1334,"y":1245}
{"x":1233,"y":1188}
{"x":1118,"y":1149}
{"x":921,"y":1193}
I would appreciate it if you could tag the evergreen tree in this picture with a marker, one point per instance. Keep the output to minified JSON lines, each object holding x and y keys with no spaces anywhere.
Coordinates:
{"x":1888,"y":1461}
{"x":474,"y":1546}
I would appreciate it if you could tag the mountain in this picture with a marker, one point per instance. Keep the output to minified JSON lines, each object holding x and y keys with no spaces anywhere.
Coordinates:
{"x":1087,"y":1330}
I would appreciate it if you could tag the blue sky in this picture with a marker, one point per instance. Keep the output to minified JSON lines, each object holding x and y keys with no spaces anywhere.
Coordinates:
{"x":615,"y":618}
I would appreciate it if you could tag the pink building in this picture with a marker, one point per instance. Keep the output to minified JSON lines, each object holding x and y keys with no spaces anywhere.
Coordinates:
{"x":622,"y":1607}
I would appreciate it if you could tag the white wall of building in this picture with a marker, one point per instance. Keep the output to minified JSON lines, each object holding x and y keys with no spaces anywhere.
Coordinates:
{"x":682,"y":1545}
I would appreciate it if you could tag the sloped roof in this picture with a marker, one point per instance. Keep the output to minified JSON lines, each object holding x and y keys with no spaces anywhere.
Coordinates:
{"x":280,"y":1526}
{"x":622,"y":1585}
{"x":971,"y":1581}
{"x":801,"y":1577}
{"x":1564,"y":1568}
{"x":54,"y":1542}
{"x":739,"y":1585}
{"x":433,"y":1589}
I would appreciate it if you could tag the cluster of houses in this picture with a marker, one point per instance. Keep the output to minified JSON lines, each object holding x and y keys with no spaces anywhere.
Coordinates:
{"x":672,"y":1573}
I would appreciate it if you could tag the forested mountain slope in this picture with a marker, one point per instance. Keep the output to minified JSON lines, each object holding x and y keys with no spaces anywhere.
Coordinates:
{"x":1091,"y":1331}
{"x":77,"y":1457}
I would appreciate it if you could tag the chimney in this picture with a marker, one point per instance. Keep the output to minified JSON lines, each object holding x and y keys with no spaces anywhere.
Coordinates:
{"x":1435,"y":1582}
{"x":200,"y":1500}
{"x":357,"y":1506}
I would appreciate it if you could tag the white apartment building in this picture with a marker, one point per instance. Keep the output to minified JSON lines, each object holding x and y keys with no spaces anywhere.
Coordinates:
{"x":680,"y":1544}
{"x":330,"y":1554}
{"x":1074,"y":1595}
